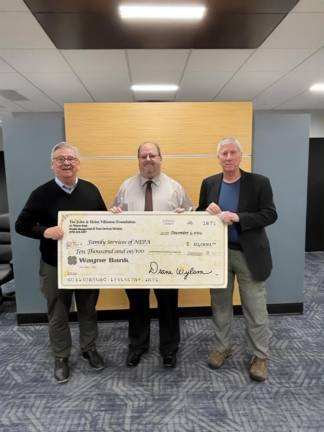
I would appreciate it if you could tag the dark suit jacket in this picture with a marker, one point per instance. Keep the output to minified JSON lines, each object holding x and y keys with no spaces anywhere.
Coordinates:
{"x":256,"y":210}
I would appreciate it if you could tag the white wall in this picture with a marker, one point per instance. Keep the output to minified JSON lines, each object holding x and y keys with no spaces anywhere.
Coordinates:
{"x":1,"y":139}
{"x":280,"y":151}
{"x":317,"y":124}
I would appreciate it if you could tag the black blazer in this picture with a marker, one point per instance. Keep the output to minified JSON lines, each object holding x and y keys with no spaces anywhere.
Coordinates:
{"x":256,"y":210}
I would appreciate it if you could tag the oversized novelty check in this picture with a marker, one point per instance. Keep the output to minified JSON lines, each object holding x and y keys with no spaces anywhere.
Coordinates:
{"x":142,"y":250}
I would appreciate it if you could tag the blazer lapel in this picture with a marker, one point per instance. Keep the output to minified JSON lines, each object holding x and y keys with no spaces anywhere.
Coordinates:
{"x":216,"y":188}
{"x":243,"y":191}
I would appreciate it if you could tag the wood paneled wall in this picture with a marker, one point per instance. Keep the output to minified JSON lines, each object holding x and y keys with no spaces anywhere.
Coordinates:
{"x":108,"y":135}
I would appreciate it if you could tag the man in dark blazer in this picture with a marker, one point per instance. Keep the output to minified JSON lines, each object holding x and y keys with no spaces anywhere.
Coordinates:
{"x":244,"y":201}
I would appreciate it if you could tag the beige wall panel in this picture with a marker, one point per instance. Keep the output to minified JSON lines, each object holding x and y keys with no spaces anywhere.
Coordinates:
{"x":108,"y":135}
{"x":114,"y":299}
{"x":201,"y":297}
{"x":108,"y":175}
{"x":118,"y":128}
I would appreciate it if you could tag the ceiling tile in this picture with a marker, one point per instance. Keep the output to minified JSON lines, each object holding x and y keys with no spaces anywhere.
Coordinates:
{"x":5,"y":68}
{"x":157,"y":66}
{"x":293,"y":83}
{"x":207,"y":71}
{"x":61,"y":88}
{"x":309,"y":6}
{"x":32,"y":60}
{"x":286,"y":88}
{"x":104,"y":89}
{"x":12,"y":6}
{"x":246,"y":85}
{"x":21,"y":30}
{"x":314,"y":62}
{"x":217,"y":60}
{"x":36,"y":98}
{"x":305,"y":100}
{"x":109,"y":61}
{"x":276,"y":59}
{"x":202,"y":85}
{"x":103,"y":72}
{"x":11,"y":80}
{"x":299,"y":31}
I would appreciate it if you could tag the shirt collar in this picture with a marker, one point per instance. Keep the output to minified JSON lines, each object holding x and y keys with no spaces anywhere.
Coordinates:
{"x":156,"y":180}
{"x":67,"y":189}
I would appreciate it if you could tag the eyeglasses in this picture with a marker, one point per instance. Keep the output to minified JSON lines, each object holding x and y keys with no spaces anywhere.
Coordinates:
{"x":62,"y":159}
{"x":150,"y":156}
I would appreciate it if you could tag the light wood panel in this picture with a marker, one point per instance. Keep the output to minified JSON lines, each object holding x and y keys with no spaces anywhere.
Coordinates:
{"x":180,"y":128}
{"x":108,"y":135}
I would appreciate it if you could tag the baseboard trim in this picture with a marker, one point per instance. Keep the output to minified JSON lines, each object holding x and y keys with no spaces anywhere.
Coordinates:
{"x":185,"y":312}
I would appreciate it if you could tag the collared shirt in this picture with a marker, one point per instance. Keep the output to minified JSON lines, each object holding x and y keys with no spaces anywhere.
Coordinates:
{"x":167,"y":194}
{"x":67,"y":189}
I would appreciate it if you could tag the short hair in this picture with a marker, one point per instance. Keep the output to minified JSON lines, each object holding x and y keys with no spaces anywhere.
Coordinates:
{"x":229,"y":140}
{"x":64,"y":144}
{"x":149,"y":142}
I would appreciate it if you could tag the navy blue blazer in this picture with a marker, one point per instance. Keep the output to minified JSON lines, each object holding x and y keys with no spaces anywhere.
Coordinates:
{"x":256,"y":210}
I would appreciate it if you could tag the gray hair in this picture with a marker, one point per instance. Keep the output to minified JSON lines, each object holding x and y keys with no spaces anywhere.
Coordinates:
{"x":150,"y":142}
{"x":64,"y":144}
{"x":229,"y":140}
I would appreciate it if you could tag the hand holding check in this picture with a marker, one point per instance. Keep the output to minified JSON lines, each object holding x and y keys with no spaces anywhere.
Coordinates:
{"x":225,"y":216}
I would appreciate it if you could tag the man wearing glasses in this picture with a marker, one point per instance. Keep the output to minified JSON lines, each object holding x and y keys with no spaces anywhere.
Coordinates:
{"x":152,"y":190}
{"x":38,"y":220}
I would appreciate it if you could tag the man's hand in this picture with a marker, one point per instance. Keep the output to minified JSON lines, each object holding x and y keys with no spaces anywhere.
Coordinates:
{"x":228,"y":217}
{"x":213,"y":208}
{"x":115,"y":210}
{"x":179,"y":210}
{"x":54,"y":233}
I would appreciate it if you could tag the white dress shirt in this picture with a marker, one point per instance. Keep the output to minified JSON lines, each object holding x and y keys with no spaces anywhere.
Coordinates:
{"x":167,"y":194}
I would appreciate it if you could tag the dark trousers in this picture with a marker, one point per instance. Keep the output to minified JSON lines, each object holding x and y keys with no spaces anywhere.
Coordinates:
{"x":139,"y":319}
{"x":58,"y":307}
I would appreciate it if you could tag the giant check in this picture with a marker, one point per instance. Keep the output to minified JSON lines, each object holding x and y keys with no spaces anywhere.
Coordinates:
{"x":142,"y":250}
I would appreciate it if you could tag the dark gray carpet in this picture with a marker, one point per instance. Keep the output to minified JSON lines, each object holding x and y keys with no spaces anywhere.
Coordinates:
{"x":190,"y":398}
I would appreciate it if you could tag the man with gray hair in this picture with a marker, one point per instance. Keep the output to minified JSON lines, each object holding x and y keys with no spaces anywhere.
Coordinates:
{"x":244,"y":201}
{"x":38,"y":220}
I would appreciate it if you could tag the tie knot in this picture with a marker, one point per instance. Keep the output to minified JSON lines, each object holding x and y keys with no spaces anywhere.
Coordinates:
{"x":148,"y":182}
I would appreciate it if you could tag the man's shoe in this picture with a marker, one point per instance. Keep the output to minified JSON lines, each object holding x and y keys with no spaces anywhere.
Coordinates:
{"x":258,"y":368}
{"x":216,"y":359}
{"x":133,"y":358}
{"x":170,"y":360}
{"x":61,"y":370}
{"x":94,"y":359}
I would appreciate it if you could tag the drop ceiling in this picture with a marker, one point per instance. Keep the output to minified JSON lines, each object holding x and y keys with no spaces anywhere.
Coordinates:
{"x":53,"y":52}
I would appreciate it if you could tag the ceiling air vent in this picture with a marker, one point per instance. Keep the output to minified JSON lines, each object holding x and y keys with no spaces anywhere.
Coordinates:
{"x":12,"y":95}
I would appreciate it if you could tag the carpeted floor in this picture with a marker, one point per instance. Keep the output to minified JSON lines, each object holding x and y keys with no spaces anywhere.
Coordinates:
{"x":190,"y":398}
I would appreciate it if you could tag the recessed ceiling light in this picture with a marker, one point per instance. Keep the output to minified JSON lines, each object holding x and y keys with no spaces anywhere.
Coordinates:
{"x":162,"y":12}
{"x":318,"y":87}
{"x":154,"y":87}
